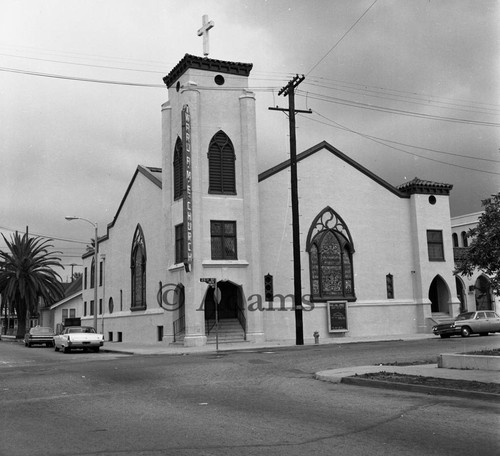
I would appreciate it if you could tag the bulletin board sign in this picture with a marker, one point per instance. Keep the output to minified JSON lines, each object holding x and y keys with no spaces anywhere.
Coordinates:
{"x":337,"y":316}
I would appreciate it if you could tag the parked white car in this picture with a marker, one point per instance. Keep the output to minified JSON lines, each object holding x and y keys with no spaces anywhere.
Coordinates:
{"x":83,"y":337}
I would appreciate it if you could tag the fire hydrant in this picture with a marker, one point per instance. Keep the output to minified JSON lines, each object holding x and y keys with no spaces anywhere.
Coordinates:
{"x":316,"y":337}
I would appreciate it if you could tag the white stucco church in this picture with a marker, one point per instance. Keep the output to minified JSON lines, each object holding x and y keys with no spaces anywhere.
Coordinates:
{"x":376,"y":259}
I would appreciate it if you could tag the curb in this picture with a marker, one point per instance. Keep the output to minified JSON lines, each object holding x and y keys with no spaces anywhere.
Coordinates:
{"x":422,"y":389}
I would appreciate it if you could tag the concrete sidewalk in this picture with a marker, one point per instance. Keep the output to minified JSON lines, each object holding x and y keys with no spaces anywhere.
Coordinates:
{"x":168,"y":349}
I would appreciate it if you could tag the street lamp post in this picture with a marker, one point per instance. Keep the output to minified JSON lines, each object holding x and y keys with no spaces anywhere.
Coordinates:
{"x":69,"y":217}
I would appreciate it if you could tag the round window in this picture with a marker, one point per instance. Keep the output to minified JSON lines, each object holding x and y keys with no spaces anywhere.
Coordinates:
{"x":219,"y":79}
{"x":432,"y":199}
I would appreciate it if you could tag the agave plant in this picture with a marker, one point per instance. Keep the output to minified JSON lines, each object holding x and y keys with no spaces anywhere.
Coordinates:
{"x":27,"y":273}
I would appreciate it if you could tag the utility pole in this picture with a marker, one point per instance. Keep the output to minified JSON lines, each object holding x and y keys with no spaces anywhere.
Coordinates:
{"x":289,"y":90}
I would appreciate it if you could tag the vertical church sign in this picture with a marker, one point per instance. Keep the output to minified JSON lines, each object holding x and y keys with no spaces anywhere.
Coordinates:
{"x":188,"y":189}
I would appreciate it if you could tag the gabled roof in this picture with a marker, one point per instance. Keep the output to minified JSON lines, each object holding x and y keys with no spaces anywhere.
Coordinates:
{"x":204,"y":63}
{"x":151,"y":173}
{"x":326,"y":146}
{"x":72,"y":287}
{"x":425,"y":187}
{"x":66,"y":299}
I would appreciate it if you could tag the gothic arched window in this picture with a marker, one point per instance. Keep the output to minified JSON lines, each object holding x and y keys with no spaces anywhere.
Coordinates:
{"x":178,"y":165}
{"x":138,"y":270}
{"x":221,"y":167}
{"x":465,"y":241}
{"x":330,"y":250}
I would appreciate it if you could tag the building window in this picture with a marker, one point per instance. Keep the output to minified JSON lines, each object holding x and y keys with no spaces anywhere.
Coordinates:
{"x":221,"y":166}
{"x":179,"y":243}
{"x":178,"y":165}
{"x":454,"y":237}
{"x":138,"y":270}
{"x":85,"y":278}
{"x":389,"y":283}
{"x":64,"y":314}
{"x":92,"y":274}
{"x":223,"y":239}
{"x":91,"y":307}
{"x":435,"y":245}
{"x":121,"y":300}
{"x":85,"y":309}
{"x":100,"y":306}
{"x":101,"y":270}
{"x":72,"y":313}
{"x":330,"y":250}
{"x":465,"y":241}
{"x":111,"y":305}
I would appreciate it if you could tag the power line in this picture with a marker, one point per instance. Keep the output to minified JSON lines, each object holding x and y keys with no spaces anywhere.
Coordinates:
{"x":81,"y":64}
{"x":376,"y":89}
{"x":45,"y":236}
{"x":412,"y":100}
{"x":413,"y":146}
{"x":372,"y":138}
{"x":342,"y":37}
{"x":372,"y":107}
{"x":71,"y":78}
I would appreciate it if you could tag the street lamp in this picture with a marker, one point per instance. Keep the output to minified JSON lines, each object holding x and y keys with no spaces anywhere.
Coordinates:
{"x":69,"y":217}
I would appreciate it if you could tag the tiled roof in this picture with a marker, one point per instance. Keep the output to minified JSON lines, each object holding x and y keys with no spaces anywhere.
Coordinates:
{"x":421,"y":186}
{"x":203,"y":63}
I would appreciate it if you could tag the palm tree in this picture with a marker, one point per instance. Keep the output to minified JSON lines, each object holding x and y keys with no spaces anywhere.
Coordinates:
{"x":26,"y":274}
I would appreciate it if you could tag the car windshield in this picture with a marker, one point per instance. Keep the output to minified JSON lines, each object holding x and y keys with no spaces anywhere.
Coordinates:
{"x":41,"y":331}
{"x":465,"y":316}
{"x":78,"y":329}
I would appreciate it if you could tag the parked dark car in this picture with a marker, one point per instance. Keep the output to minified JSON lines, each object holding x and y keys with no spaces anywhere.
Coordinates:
{"x":480,"y":322}
{"x":39,"y":335}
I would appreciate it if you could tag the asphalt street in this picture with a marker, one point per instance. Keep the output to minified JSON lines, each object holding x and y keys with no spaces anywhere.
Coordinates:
{"x":255,"y":402}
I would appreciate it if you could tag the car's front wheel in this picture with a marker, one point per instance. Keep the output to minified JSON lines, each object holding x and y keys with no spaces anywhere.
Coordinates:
{"x":465,"y":332}
{"x":66,"y":349}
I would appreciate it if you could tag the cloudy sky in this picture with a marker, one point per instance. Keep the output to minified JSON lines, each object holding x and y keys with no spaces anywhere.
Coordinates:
{"x":405,"y":87}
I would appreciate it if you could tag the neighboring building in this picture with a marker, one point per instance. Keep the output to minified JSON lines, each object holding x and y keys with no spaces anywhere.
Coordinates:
{"x":474,"y":292}
{"x":68,"y":307}
{"x":376,"y":259}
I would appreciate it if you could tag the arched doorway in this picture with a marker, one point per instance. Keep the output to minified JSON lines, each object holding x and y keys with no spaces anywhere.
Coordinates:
{"x":439,"y":295}
{"x":461,"y":295}
{"x":482,"y":289}
{"x":230,"y":306}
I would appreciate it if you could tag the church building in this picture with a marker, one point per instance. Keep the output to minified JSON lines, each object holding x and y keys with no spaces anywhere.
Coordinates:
{"x":203,"y":246}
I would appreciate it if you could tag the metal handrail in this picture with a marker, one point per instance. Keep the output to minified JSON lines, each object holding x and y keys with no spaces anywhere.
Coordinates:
{"x":179,"y":326}
{"x":210,"y":322}
{"x":242,"y":319}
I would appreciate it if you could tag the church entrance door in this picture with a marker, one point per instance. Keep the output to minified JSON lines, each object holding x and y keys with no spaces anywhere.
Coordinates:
{"x":439,"y":295}
{"x":482,"y":290}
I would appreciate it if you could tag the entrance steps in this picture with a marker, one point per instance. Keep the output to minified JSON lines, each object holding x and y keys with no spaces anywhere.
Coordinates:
{"x":229,"y":331}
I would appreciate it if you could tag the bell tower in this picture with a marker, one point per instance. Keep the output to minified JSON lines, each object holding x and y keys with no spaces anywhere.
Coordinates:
{"x":210,"y":192}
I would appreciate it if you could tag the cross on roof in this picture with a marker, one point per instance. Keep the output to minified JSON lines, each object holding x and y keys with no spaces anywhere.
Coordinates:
{"x":206,"y":26}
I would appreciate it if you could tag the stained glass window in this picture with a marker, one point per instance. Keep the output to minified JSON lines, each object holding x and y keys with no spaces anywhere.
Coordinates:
{"x":330,"y":258}
{"x":138,"y":270}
